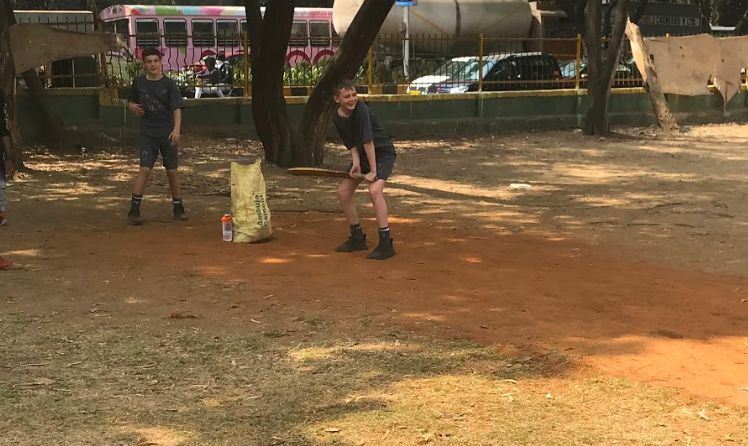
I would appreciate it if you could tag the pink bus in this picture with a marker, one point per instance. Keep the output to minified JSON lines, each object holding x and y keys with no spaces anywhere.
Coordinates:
{"x":186,"y":34}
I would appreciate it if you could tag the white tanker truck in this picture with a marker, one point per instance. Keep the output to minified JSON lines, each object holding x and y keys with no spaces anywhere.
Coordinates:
{"x":439,"y":30}
{"x":458,"y":19}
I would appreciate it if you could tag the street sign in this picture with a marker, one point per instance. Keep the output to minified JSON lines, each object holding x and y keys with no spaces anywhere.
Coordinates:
{"x":406,"y":2}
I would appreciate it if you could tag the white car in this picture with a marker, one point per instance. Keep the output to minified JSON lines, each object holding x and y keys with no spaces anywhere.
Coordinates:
{"x":458,"y":73}
{"x":449,"y":70}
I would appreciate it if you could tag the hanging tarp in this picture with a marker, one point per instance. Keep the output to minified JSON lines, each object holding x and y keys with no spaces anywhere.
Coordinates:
{"x":34,"y":45}
{"x":684,"y":65}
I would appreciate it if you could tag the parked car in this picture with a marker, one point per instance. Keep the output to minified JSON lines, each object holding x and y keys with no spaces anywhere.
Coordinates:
{"x":627,"y":75}
{"x":512,"y":71}
{"x":454,"y":68}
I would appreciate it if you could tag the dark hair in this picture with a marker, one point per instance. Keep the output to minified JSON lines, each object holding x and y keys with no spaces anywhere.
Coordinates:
{"x":344,"y":84}
{"x":151,"y":52}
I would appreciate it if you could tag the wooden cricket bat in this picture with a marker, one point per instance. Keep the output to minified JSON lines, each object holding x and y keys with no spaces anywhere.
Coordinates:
{"x":319,"y":172}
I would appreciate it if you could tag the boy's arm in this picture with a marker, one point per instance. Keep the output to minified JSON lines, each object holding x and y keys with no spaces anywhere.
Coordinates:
{"x":371,"y":156}
{"x":176,"y":132}
{"x":134,"y":103}
{"x":355,"y":171}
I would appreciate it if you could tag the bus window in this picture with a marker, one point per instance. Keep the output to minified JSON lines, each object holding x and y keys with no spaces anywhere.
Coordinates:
{"x":175,"y":33}
{"x":299,"y":36}
{"x":320,"y":33}
{"x":120,"y":26}
{"x":146,"y":33}
{"x":228,"y":34}
{"x":243,"y":26}
{"x":203,"y":33}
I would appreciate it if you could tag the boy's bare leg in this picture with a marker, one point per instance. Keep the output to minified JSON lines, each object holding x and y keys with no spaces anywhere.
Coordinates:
{"x":141,"y":180}
{"x":345,"y":195}
{"x":357,"y":239}
{"x":376,"y":193}
{"x":174,"y":186}
{"x":176,"y":195}
{"x":133,"y":217}
{"x":384,"y":249}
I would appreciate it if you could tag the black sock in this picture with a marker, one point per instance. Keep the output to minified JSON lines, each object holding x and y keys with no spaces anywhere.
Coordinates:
{"x":384,"y":233}
{"x":357,"y":231}
{"x":177,"y":202}
{"x":135,"y":203}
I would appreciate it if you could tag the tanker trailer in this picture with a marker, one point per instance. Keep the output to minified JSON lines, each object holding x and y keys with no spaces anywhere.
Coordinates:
{"x":459,"y":20}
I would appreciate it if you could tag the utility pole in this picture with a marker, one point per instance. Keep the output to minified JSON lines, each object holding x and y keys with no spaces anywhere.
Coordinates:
{"x":406,"y":4}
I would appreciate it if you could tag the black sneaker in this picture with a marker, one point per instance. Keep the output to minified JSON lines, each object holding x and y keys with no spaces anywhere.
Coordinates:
{"x":134,"y":218}
{"x":384,"y":250}
{"x":353,"y":244}
{"x":180,"y":214}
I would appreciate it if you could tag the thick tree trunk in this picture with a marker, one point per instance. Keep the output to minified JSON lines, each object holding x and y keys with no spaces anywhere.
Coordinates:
{"x":607,"y":13}
{"x":268,"y":58}
{"x":638,"y":12}
{"x":706,"y":16}
{"x":8,"y":77}
{"x":254,"y":28}
{"x":741,"y":28}
{"x":352,"y":52}
{"x":578,"y":17}
{"x":55,"y":135}
{"x":53,"y":127}
{"x":602,"y":65}
{"x":665,"y":119}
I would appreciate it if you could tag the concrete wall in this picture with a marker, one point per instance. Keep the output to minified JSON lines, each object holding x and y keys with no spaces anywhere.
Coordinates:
{"x":403,"y":116}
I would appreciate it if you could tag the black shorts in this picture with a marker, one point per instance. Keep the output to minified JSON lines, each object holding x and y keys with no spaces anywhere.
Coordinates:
{"x":151,"y":146}
{"x":385,"y":164}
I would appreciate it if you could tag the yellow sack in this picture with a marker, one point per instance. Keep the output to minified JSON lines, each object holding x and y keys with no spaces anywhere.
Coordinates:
{"x":249,"y":207}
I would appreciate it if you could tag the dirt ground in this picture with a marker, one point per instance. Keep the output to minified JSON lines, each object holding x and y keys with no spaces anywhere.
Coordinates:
{"x":625,"y":258}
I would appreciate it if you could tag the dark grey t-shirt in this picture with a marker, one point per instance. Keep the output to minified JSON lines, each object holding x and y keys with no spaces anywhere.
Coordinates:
{"x":159,"y":100}
{"x":362,"y":127}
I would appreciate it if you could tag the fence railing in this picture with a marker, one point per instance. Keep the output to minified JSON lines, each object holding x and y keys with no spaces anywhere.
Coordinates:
{"x":436,"y":65}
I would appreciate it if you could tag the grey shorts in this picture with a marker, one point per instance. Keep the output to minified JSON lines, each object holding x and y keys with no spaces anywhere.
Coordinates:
{"x":151,"y":146}
{"x":385,"y":165}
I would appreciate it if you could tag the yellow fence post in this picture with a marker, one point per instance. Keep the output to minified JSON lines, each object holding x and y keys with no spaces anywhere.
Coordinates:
{"x":245,"y":43}
{"x":369,"y":71}
{"x":578,"y":62}
{"x":480,"y":63}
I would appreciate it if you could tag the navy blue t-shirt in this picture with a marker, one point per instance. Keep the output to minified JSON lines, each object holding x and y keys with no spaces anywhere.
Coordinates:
{"x":159,"y":100}
{"x":362,"y":127}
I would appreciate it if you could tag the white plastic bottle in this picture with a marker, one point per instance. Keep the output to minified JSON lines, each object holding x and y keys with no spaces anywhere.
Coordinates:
{"x":227,"y":223}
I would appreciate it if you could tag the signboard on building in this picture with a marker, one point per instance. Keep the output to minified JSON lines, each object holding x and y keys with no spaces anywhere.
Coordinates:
{"x":676,"y":19}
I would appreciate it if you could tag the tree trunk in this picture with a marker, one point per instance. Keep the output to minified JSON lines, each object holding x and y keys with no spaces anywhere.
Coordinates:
{"x":254,"y":28}
{"x":8,"y":78}
{"x":742,"y":26}
{"x":53,"y":128}
{"x":352,"y":52}
{"x":602,"y":65}
{"x":578,"y":17}
{"x":706,"y":16}
{"x":55,"y":135}
{"x":268,"y":57}
{"x":665,"y":119}
{"x":607,"y":12}
{"x":638,"y":12}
